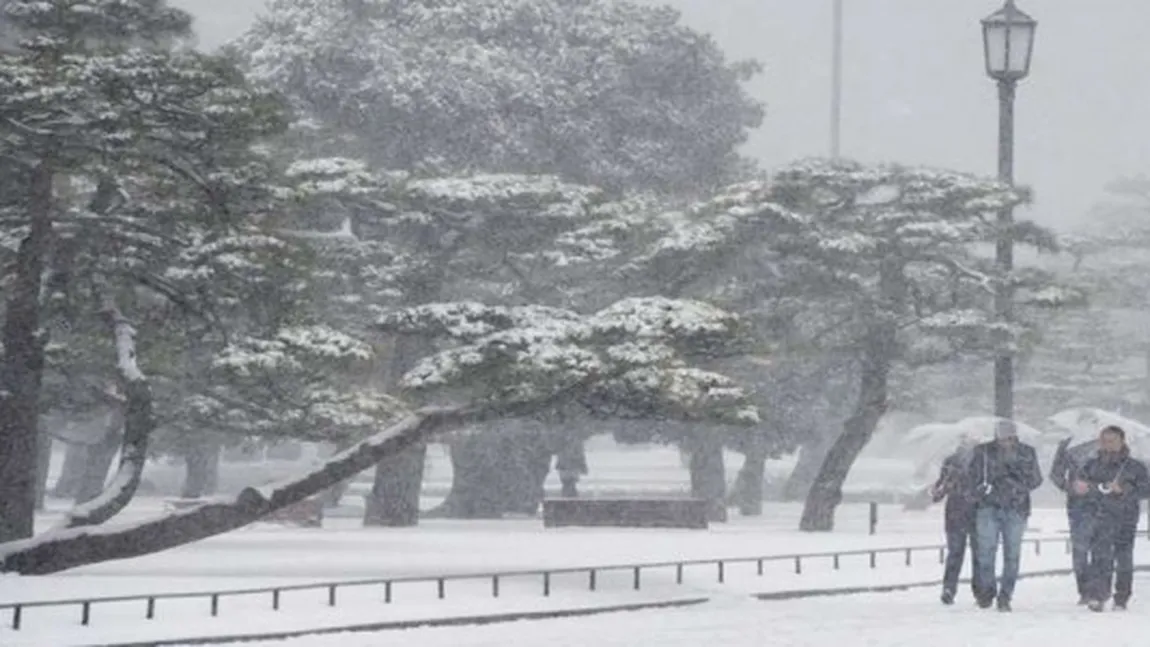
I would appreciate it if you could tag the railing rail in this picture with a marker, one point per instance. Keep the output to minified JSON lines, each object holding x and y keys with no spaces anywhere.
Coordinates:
{"x":546,"y":575}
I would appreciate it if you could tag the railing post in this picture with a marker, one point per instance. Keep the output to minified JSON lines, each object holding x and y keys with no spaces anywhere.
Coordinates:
{"x":331,"y":596}
{"x":275,"y":599}
{"x":941,"y":555}
{"x":151,"y":612}
{"x":387,"y":592}
{"x":722,"y":575}
{"x":873,"y":516}
{"x":591,"y":579}
{"x":546,"y":584}
{"x":908,"y":557}
{"x":1037,"y":546}
{"x":873,"y":559}
{"x":215,"y":604}
{"x":637,"y":582}
{"x":86,"y":613}
{"x":835,"y":559}
{"x":441,"y":588}
{"x":494,"y":586}
{"x":798,"y":565}
{"x":679,"y":573}
{"x":760,"y":567}
{"x":16,"y":613}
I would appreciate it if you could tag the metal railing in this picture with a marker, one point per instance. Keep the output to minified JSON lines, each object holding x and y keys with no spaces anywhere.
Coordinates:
{"x":545,"y":579}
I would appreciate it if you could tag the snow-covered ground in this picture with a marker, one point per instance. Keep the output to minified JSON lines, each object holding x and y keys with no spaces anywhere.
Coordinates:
{"x":1045,"y":615}
{"x":265,"y":555}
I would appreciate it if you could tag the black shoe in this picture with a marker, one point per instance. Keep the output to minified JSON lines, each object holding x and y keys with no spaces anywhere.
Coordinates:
{"x":1095,"y":605}
{"x":947,"y":598}
{"x":985,"y":603}
{"x":1119,"y":606}
{"x":1083,"y":601}
{"x":1003,"y":605}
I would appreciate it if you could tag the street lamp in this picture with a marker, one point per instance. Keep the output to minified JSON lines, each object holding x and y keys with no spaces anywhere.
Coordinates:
{"x":1008,"y":42}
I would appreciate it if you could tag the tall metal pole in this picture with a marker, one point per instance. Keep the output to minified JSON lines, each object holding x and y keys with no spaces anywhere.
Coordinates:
{"x":837,"y":79}
{"x":1004,"y":255}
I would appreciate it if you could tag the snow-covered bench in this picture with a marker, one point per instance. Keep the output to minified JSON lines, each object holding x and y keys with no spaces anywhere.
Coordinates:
{"x":626,"y":513}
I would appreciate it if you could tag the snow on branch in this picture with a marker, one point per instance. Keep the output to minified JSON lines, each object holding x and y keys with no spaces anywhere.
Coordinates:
{"x":633,"y":356}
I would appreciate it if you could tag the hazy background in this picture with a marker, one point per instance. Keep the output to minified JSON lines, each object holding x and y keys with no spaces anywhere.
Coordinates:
{"x":914,"y":86}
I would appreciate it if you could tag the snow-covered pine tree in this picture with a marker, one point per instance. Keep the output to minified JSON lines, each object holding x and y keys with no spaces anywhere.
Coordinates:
{"x":613,"y":94}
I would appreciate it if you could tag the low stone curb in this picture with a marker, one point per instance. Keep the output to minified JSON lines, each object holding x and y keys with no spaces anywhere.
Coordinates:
{"x":415,"y":624}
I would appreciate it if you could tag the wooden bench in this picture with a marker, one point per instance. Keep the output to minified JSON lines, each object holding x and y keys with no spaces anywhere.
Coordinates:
{"x":626,"y":513}
{"x":306,"y":514}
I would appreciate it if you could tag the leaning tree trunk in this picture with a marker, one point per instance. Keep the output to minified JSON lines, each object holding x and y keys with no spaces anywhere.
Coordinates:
{"x":202,"y":467}
{"x":139,"y":423}
{"x":708,"y":474}
{"x":63,"y":549}
{"x":22,"y":365}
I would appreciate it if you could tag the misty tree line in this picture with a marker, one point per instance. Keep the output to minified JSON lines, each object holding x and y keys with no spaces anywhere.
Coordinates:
{"x":504,"y":225}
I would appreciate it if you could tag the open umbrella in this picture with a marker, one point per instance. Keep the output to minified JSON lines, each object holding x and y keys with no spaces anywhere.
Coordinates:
{"x":1082,"y":425}
{"x":931,"y":443}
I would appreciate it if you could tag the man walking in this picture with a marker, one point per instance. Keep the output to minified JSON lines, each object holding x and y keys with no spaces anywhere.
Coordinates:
{"x":1067,"y":463}
{"x":1112,"y":483}
{"x":1003,"y":473}
{"x":954,"y":486}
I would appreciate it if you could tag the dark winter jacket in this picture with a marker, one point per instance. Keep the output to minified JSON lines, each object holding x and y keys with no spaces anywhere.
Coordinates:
{"x":1010,"y":476}
{"x":1115,"y":507}
{"x":953,"y":484}
{"x":1067,"y":463}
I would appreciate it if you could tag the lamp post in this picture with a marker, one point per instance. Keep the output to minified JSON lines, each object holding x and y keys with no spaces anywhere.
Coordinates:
{"x":1008,"y":42}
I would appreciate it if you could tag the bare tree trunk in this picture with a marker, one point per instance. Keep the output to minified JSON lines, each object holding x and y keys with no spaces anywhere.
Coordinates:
{"x":22,"y":366}
{"x":806,"y":469}
{"x":496,"y":472}
{"x":139,"y":423}
{"x":202,"y":465}
{"x":398,"y":483}
{"x":708,"y":474}
{"x":98,"y":461}
{"x":874,"y":385}
{"x":749,"y":482}
{"x":72,"y":472}
{"x":60,"y":550}
{"x":43,"y":464}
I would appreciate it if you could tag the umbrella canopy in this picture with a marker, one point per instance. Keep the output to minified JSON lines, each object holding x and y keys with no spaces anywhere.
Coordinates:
{"x":933,"y":442}
{"x":1082,"y":425}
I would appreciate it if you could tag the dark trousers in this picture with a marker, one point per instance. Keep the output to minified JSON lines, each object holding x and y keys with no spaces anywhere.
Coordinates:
{"x":1111,"y":549}
{"x":1124,"y":562}
{"x":1080,"y":522}
{"x":958,"y":537}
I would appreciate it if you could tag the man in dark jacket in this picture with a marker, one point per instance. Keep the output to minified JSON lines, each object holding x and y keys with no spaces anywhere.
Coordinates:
{"x":1003,"y":473}
{"x":1112,"y":484}
{"x":953,"y":485}
{"x":1067,"y":463}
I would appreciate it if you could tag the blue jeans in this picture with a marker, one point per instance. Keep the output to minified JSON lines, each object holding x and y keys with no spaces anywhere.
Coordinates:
{"x":1080,"y":533}
{"x":992,"y":526}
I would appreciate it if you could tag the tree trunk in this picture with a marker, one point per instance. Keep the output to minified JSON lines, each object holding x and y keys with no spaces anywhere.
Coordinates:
{"x":72,"y":472}
{"x":394,"y":498}
{"x":708,"y":475}
{"x":398,"y":482}
{"x":22,"y":366}
{"x":43,"y":464}
{"x":202,"y":465}
{"x":571,"y":463}
{"x":139,"y":423}
{"x":806,"y":469}
{"x":60,"y":550}
{"x":749,"y":483}
{"x":879,"y":348}
{"x":496,"y":472}
{"x":98,"y":461}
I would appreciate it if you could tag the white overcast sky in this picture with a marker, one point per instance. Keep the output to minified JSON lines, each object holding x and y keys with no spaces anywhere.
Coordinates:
{"x":914,"y":87}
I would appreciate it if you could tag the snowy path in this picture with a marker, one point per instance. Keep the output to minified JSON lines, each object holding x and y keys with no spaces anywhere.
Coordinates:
{"x":1045,"y":615}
